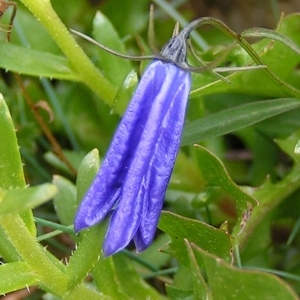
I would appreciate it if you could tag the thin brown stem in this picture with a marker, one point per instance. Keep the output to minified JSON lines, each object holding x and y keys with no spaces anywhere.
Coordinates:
{"x":44,"y":127}
{"x":4,"y":5}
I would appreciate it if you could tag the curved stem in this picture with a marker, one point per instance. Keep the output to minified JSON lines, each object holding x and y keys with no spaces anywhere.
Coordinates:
{"x":244,"y":44}
{"x":113,"y":52}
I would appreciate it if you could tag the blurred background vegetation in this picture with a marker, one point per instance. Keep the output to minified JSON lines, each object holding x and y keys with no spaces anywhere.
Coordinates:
{"x":78,"y":121}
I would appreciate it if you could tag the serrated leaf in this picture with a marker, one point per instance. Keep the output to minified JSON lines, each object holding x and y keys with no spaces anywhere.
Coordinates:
{"x":11,"y":168}
{"x":120,"y":280}
{"x":216,"y":175}
{"x":27,"y":61}
{"x":89,"y":249}
{"x":16,"y":276}
{"x":235,"y":118}
{"x":212,"y":239}
{"x":200,"y":289}
{"x":228,"y":282}
{"x":87,"y":253}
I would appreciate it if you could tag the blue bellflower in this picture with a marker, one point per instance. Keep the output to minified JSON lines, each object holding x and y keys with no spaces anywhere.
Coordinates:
{"x":134,"y":175}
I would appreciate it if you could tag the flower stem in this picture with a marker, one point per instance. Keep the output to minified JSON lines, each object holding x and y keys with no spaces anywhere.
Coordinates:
{"x":88,"y":73}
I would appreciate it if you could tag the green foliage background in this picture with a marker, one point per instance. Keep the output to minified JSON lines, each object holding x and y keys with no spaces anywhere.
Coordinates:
{"x":230,"y":229}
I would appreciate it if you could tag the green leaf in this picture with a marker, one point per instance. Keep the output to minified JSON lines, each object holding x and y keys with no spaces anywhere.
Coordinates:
{"x":22,"y":199}
{"x":271,"y":34}
{"x":109,"y":282}
{"x":86,"y":173}
{"x":128,"y":17}
{"x":11,"y":168}
{"x":7,"y":249}
{"x":41,"y":39}
{"x":125,"y":93}
{"x":212,"y":239}
{"x":16,"y":276}
{"x":120,"y":280}
{"x":179,"y":294}
{"x":235,"y":118}
{"x":113,"y":67}
{"x":152,"y":256}
{"x":87,"y":253}
{"x":183,"y":278}
{"x":228,"y":282}
{"x":186,"y":175}
{"x":65,"y":203}
{"x":27,"y":61}
{"x":286,"y":124}
{"x":216,"y":175}
{"x":74,"y":159}
{"x":84,"y":292}
{"x":88,"y":250}
{"x":291,"y":145}
{"x":201,"y":290}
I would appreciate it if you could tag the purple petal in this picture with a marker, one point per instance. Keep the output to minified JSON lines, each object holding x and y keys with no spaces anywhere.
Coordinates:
{"x":167,"y":82}
{"x":87,"y":215}
{"x":105,"y":190}
{"x":163,"y":159}
{"x":138,"y":165}
{"x":124,"y":222}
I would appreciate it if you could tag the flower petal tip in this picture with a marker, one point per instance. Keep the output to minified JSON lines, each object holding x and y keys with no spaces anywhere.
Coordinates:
{"x":78,"y":227}
{"x":80,"y":223}
{"x":109,"y":249}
